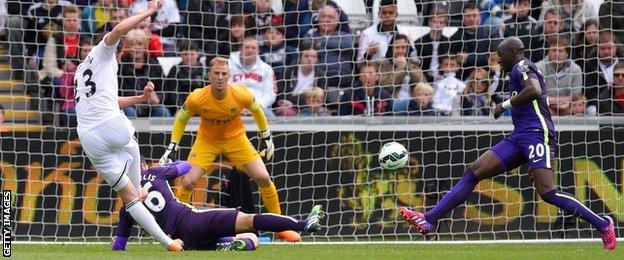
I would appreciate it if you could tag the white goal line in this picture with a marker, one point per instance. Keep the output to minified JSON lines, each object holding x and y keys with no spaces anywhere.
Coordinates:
{"x":456,"y":242}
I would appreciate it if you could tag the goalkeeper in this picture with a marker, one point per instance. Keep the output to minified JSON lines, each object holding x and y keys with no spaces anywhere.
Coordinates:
{"x":221,"y":131}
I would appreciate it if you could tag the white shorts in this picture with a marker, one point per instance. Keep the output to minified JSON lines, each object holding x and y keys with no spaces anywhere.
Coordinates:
{"x":113,"y":151}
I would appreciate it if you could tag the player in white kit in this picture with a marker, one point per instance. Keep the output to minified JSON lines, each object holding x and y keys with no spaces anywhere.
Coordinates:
{"x":106,"y":134}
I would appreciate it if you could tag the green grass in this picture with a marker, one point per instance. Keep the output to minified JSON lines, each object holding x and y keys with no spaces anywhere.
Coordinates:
{"x":564,"y":251}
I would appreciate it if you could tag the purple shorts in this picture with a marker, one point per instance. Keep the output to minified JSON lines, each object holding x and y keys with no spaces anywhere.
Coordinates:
{"x":201,"y":229}
{"x":526,"y":147}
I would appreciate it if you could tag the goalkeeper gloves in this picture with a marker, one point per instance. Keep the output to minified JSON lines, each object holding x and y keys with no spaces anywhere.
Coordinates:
{"x":119,"y":243}
{"x":172,"y":152}
{"x":266,"y":148}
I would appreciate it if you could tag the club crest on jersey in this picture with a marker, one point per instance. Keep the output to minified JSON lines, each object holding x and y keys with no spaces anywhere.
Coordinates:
{"x":233,"y":110}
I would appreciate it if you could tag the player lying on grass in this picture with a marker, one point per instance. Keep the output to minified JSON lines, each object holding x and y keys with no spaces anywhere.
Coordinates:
{"x":221,"y":132}
{"x":532,"y":141}
{"x":201,"y":229}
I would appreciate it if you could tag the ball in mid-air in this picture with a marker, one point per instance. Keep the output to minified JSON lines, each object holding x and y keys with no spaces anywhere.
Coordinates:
{"x":393,"y":156}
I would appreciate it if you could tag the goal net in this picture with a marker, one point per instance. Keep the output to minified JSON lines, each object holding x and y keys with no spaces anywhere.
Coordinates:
{"x":436,"y":97}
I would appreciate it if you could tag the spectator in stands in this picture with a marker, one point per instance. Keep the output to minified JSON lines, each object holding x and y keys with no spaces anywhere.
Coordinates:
{"x":300,"y":79}
{"x":433,"y":45}
{"x":552,"y":25}
{"x":567,"y":9}
{"x":563,"y":77}
{"x":335,"y":49}
{"x":155,"y":47}
{"x":95,"y":17}
{"x":497,"y":81}
{"x":315,"y":103}
{"x":165,"y":21}
{"x":471,"y":41}
{"x":66,"y":86}
{"x":611,"y":15}
{"x":247,"y":68}
{"x":116,"y":15}
{"x":367,"y":98}
{"x":137,"y":68}
{"x":611,"y":101}
{"x":231,"y":42}
{"x":375,"y":40}
{"x":398,"y":72}
{"x":60,"y":53}
{"x":521,"y":24}
{"x":578,"y":104}
{"x":598,"y":70}
{"x":209,"y":21}
{"x":586,"y":42}
{"x":184,"y":77}
{"x":259,"y":14}
{"x":448,"y":87}
{"x":475,"y":98}
{"x":421,"y":102}
{"x":42,"y":16}
{"x":301,"y":18}
{"x":275,"y":52}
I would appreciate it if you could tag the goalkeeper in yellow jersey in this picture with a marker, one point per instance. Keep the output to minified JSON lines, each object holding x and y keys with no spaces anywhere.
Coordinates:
{"x":221,"y":131}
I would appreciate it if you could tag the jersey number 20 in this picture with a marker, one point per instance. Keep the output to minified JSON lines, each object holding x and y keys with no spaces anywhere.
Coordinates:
{"x":87,"y":73}
{"x":154,"y":200}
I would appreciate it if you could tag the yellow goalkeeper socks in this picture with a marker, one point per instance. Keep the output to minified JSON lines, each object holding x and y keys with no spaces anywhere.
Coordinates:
{"x":184,"y":195}
{"x":270,"y":199}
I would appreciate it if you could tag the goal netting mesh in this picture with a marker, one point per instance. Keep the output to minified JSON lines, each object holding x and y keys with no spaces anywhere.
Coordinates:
{"x":433,"y":91}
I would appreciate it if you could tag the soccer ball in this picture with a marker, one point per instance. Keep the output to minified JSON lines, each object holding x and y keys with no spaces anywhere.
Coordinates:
{"x":393,"y":156}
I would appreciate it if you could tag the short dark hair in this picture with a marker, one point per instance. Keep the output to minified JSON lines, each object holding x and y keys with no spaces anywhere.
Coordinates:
{"x":558,"y":40}
{"x":553,"y":11}
{"x":188,"y":45}
{"x":619,"y":65}
{"x":100,"y":38}
{"x":276,"y":27}
{"x":470,"y":5}
{"x":365,"y":64}
{"x":307,"y":45}
{"x":387,"y":2}
{"x":522,"y":1}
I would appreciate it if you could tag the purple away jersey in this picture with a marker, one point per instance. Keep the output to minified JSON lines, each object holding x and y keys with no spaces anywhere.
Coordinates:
{"x":198,"y":229}
{"x":533,"y":139}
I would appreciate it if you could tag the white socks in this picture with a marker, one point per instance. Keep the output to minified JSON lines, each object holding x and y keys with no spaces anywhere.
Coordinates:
{"x":141,"y":215}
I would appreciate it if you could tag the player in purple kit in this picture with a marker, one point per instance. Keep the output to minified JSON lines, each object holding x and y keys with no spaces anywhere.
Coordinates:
{"x":202,"y":229}
{"x":532,"y":141}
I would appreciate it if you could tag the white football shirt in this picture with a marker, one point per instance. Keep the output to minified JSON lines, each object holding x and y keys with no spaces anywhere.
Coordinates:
{"x":96,"y":87}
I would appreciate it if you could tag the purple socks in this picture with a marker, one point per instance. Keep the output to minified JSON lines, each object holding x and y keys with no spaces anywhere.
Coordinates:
{"x":457,"y":195}
{"x":570,"y":204}
{"x":277,"y":223}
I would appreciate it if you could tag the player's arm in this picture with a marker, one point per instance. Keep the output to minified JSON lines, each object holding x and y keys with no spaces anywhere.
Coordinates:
{"x":175,"y":169}
{"x":529,"y":92}
{"x":148,"y":92}
{"x":129,"y":23}
{"x":122,"y":232}
{"x":266,"y":143}
{"x":179,"y":125}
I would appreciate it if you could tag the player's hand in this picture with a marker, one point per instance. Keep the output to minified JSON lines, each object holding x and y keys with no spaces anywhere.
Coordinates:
{"x":498,"y":111}
{"x":147,"y":91}
{"x":266,"y":148}
{"x":172,"y":152}
{"x":119,"y":243}
{"x":153,"y":5}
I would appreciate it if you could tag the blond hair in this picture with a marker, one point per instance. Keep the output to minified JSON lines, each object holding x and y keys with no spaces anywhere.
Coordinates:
{"x":477,"y":74}
{"x":314,"y":92}
{"x":216,"y":61}
{"x":422,"y":88}
{"x":578,"y":97}
{"x":135,"y":35}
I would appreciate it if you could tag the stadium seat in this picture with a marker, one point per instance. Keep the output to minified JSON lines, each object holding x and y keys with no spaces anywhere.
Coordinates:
{"x":407,"y":13}
{"x":356,"y":10}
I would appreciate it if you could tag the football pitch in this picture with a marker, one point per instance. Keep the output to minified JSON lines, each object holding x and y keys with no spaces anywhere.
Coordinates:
{"x":559,"y":251}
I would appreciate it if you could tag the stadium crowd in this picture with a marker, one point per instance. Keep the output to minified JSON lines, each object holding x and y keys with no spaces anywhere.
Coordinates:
{"x":305,"y":57}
